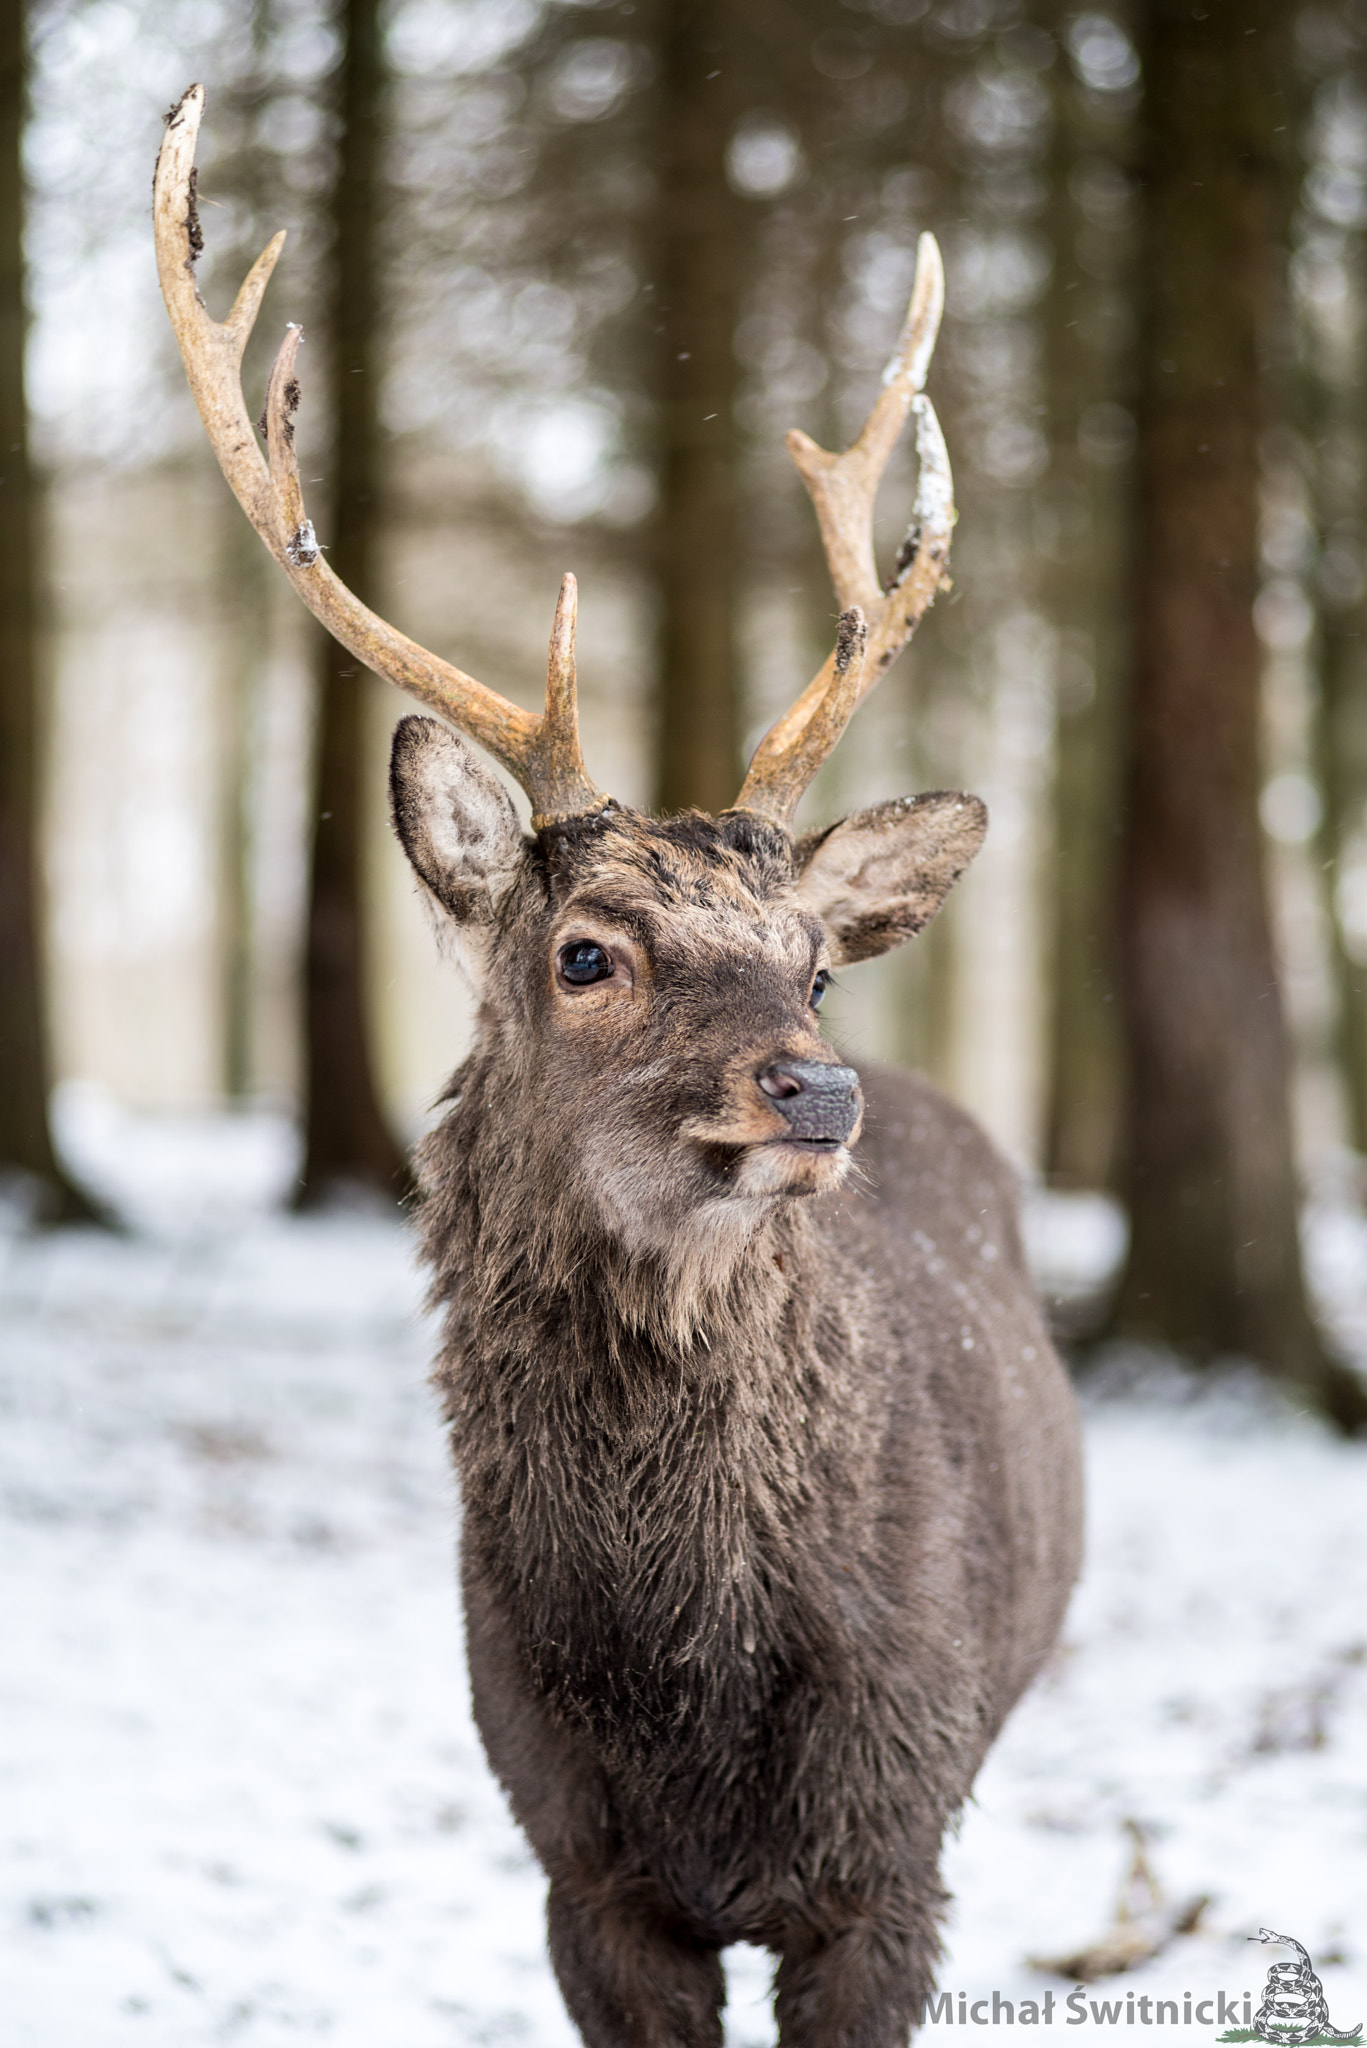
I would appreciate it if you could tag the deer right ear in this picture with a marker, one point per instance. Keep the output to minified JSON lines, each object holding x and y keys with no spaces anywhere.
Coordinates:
{"x":879,"y":876}
{"x":455,"y":821}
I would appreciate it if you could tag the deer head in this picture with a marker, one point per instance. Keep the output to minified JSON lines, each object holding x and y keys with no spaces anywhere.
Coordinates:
{"x":649,"y":987}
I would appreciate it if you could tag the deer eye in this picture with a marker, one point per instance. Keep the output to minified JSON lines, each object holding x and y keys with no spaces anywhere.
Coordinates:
{"x":819,"y":988}
{"x":582,"y":962}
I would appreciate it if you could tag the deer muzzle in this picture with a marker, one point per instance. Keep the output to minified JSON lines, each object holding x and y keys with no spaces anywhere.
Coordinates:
{"x":820,"y":1103}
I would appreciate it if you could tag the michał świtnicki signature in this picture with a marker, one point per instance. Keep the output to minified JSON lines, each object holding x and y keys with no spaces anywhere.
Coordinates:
{"x":1293,"y":2008}
{"x":1130,"y":2009}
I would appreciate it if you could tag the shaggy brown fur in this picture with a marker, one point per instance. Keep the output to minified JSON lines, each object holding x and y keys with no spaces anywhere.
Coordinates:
{"x":769,"y":1471}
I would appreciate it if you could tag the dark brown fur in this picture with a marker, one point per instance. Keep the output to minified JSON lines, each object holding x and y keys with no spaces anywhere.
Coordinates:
{"x":769,"y":1475}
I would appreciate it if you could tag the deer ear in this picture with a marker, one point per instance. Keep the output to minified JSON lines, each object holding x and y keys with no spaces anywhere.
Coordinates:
{"x":880,"y":876}
{"x":455,"y":821}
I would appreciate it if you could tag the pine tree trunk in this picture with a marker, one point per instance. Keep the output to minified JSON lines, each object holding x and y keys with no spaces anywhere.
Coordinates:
{"x":247,"y":611}
{"x":247,"y":584}
{"x":1082,"y":579}
{"x":1341,"y":751}
{"x":697,"y":284}
{"x":1214,"y":1265}
{"x":1337,"y":422}
{"x":25,"y":1137}
{"x":347,"y":1142}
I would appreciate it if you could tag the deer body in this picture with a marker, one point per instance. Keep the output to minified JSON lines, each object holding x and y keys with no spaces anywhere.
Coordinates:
{"x":767,"y":1518}
{"x":737,"y":1658}
{"x":770,"y":1476}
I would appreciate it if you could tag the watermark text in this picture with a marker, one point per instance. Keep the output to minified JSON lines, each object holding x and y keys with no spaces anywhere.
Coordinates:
{"x":1080,"y":2009}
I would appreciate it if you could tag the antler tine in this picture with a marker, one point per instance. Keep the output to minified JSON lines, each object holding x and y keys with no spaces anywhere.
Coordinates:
{"x":562,"y":778}
{"x":212,"y":354}
{"x":542,"y":753}
{"x":779,"y":776}
{"x":843,"y":489}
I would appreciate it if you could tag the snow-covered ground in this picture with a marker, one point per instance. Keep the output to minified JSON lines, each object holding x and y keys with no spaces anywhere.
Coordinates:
{"x":241,"y":1798}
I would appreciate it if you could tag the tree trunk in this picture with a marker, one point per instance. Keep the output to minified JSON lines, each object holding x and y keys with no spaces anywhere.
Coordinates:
{"x":1341,"y":761}
{"x":25,"y":1138}
{"x":1214,"y":1265}
{"x":1337,"y":421}
{"x":697,"y":285}
{"x":246,"y":584}
{"x":1082,"y":549}
{"x":247,"y":594}
{"x":347,"y":1142}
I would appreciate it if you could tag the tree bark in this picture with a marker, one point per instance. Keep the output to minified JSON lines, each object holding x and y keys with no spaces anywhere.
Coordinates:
{"x":1337,"y":422}
{"x":249,"y":173}
{"x":347,"y":1142}
{"x":1341,"y":760}
{"x":697,"y":286}
{"x":247,"y":611}
{"x":1082,"y":548}
{"x":25,"y":1136}
{"x":1214,"y":1265}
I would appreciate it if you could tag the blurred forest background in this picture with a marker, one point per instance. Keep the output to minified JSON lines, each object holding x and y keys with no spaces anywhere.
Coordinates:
{"x":567,"y":272}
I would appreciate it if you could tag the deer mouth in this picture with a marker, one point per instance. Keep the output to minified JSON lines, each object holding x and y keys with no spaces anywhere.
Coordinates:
{"x":791,"y":1167}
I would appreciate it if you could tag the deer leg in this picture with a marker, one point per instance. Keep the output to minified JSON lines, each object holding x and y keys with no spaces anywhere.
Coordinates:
{"x":860,"y":1987}
{"x":629,"y":1980}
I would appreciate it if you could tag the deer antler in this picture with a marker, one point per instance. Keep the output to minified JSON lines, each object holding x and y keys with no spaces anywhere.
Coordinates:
{"x":881,"y":621}
{"x":542,"y":752}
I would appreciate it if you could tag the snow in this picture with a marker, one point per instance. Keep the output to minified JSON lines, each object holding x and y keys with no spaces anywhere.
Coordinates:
{"x":241,"y":1797}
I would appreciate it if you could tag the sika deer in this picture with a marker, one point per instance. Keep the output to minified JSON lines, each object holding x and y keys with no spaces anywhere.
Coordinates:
{"x":769,"y":1472}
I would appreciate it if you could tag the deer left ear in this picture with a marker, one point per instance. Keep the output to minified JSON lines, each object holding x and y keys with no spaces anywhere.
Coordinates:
{"x":880,"y":875}
{"x":455,"y":821}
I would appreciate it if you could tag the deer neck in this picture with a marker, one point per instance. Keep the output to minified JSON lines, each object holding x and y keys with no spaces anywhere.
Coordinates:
{"x":635,"y":1479}
{"x":529,"y":1260}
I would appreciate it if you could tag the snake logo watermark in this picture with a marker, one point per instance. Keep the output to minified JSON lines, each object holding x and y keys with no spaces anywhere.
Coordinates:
{"x":1293,"y":2008}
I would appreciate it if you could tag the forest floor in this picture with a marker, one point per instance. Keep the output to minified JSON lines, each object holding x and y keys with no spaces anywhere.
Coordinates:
{"x":241,"y":1797}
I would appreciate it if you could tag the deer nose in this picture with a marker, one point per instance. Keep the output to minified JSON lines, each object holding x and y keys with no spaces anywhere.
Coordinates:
{"x":821,"y":1102}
